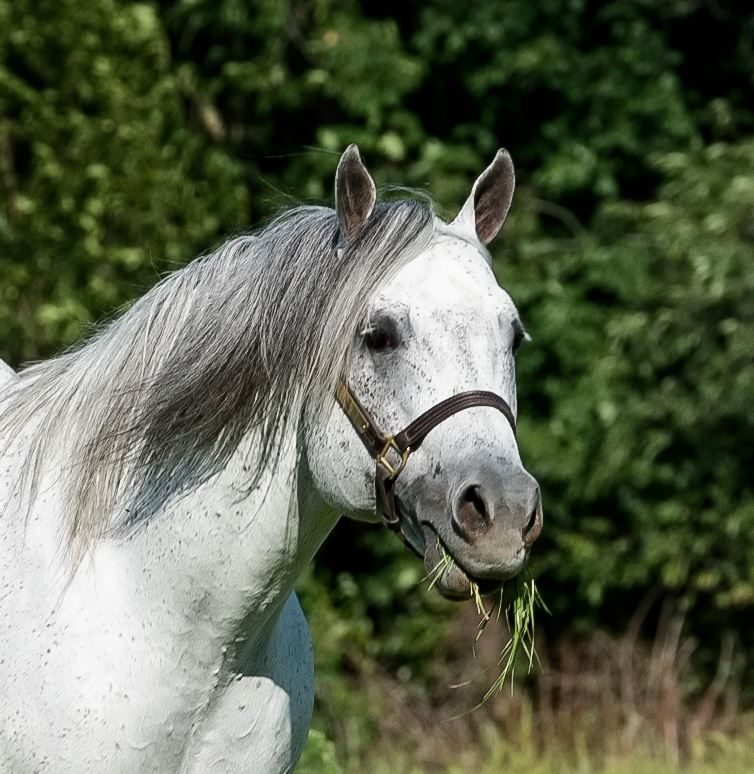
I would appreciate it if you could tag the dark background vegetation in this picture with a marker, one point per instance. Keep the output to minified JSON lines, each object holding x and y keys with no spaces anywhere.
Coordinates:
{"x":134,"y":136}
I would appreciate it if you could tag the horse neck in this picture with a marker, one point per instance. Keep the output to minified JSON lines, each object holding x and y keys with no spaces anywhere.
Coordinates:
{"x":222,"y":557}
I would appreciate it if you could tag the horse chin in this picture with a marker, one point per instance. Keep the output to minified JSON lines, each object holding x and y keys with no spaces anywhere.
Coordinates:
{"x":448,"y":577}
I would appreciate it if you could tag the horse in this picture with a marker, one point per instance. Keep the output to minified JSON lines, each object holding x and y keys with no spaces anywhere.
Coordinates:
{"x":164,"y":484}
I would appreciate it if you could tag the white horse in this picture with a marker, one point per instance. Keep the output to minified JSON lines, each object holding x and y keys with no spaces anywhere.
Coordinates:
{"x":163,"y":486}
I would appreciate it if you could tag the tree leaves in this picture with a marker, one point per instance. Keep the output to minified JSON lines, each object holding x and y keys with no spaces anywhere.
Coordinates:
{"x":104,"y":183}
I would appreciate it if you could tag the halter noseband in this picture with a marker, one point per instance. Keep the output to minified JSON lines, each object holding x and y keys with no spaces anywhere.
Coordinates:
{"x":407,"y":441}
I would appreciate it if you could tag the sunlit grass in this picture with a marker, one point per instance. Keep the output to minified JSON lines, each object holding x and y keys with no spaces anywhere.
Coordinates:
{"x":437,"y":571}
{"x":520,"y":609}
{"x":519,"y":601}
{"x":495,"y":754}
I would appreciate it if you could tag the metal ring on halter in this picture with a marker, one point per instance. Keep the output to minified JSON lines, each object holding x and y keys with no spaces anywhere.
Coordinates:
{"x":385,"y":462}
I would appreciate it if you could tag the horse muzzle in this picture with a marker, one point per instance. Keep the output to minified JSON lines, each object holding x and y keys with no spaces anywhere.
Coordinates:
{"x":480,"y":532}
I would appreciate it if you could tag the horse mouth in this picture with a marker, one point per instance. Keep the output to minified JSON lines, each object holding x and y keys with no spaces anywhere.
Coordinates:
{"x":447,"y":575}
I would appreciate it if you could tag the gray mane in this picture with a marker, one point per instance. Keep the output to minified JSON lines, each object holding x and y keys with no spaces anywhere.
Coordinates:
{"x":237,"y":341}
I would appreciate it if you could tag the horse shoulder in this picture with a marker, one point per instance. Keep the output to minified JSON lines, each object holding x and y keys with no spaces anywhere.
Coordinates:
{"x":261,"y":720}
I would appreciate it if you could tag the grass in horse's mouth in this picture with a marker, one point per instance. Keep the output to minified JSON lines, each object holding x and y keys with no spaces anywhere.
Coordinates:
{"x":519,"y":599}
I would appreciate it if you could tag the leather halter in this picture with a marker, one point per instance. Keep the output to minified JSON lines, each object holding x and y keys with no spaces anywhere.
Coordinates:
{"x":391,"y":452}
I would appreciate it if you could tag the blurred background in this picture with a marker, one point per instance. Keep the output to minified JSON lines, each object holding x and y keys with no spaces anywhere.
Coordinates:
{"x":135,"y":136}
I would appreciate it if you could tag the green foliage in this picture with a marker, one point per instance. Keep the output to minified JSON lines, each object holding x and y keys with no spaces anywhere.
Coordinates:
{"x":582,"y":93}
{"x":103,"y":184}
{"x":598,"y":85}
{"x":319,"y":755}
{"x":640,"y":382}
{"x":273,"y":79}
{"x":134,"y":135}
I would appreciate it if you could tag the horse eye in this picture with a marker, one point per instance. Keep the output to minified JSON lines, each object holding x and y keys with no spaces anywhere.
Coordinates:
{"x":379,"y":339}
{"x":381,"y":334}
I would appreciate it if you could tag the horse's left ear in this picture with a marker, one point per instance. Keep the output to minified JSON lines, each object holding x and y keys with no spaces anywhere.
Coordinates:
{"x":355,"y":193}
{"x":487,"y":206}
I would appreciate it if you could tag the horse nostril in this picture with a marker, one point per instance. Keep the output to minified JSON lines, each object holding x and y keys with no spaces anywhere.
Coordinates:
{"x":471,"y":517}
{"x":533,"y":527}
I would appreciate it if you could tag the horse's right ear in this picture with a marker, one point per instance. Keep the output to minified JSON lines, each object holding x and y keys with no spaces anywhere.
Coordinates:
{"x":486,"y":208}
{"x":355,"y":193}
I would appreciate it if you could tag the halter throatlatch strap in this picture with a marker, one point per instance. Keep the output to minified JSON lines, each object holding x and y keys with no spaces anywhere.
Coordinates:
{"x":391,"y":452}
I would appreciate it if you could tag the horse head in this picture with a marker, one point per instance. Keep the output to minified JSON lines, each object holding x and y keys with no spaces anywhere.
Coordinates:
{"x":429,"y":389}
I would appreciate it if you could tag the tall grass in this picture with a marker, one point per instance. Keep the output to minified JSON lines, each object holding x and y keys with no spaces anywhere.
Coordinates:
{"x":599,"y":704}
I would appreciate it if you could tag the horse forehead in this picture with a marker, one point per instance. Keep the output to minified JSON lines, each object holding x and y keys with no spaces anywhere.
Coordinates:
{"x":451,"y":276}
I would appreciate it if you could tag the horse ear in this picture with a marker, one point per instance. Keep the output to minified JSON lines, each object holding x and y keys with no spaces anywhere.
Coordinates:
{"x":355,"y":193}
{"x":486,"y":208}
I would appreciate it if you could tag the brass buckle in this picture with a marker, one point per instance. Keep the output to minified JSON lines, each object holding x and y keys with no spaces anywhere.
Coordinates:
{"x":393,"y":472}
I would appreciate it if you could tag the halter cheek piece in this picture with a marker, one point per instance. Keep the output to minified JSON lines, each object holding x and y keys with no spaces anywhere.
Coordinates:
{"x":391,"y":452}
